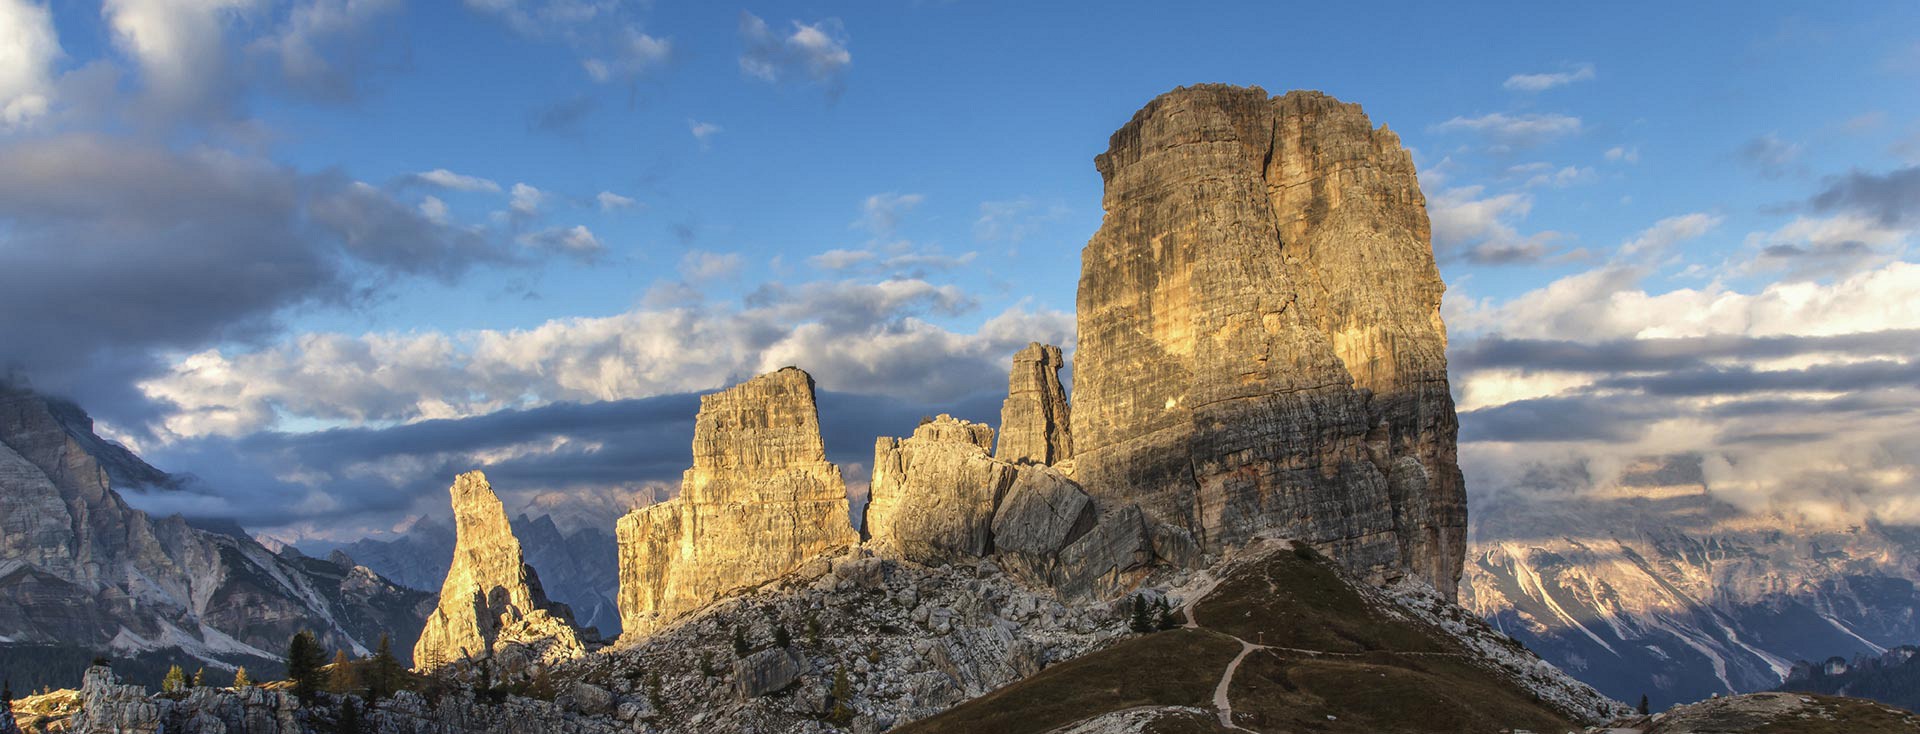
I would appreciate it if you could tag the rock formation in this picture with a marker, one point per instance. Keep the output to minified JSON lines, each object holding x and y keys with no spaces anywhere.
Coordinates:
{"x":1260,"y":344}
{"x":759,"y":500}
{"x":1034,"y":425}
{"x":79,"y":566}
{"x":933,"y":495}
{"x":491,"y":604}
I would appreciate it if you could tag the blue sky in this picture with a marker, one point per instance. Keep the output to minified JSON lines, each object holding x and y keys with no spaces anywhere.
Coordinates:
{"x":381,"y":213}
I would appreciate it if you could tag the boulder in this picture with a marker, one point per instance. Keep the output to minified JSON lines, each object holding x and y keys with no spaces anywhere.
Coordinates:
{"x":767,"y":671}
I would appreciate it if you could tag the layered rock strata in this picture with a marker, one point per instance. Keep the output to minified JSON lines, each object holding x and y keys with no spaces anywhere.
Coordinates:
{"x":1260,"y":343}
{"x":1034,"y":420}
{"x":491,"y":604}
{"x":760,"y":499}
{"x":933,"y":494}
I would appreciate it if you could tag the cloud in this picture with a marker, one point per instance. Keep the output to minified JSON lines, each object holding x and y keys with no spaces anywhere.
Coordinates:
{"x":1472,"y":226}
{"x":1519,"y":131}
{"x":841,"y":259}
{"x":1818,"y":247}
{"x":525,"y":201}
{"x":816,"y":52}
{"x":700,"y":266}
{"x":867,"y":337}
{"x":632,"y":53}
{"x":880,"y":214}
{"x":576,"y":242}
{"x":1798,"y":397}
{"x":321,"y":49}
{"x":703,"y":132}
{"x":1015,"y":219}
{"x":610,"y":201}
{"x":1892,"y":198}
{"x":1544,"y":82}
{"x":1541,"y":174}
{"x":181,"y":50}
{"x":445,"y":179}
{"x":1654,"y":242}
{"x":563,"y":117}
{"x":1624,"y":154}
{"x":28,"y":48}
{"x":1772,"y":157}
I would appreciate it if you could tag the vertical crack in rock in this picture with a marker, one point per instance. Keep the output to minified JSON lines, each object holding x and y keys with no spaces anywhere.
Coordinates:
{"x":1034,"y":420}
{"x":491,"y":604}
{"x":760,"y":499}
{"x":1260,"y":300}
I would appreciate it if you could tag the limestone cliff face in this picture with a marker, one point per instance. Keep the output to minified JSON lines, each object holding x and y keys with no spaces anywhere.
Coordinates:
{"x":1260,"y":343}
{"x":491,"y":603}
{"x":760,"y":499}
{"x":1034,"y":424}
{"x":934,"y":494}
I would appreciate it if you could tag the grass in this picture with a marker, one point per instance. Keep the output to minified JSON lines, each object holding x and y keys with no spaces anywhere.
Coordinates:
{"x":1172,"y":668}
{"x":1379,"y":692}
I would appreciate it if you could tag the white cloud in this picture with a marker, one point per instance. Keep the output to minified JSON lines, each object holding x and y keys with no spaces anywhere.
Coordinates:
{"x":446,"y":179}
{"x":1515,"y":130}
{"x":610,"y":201}
{"x":841,"y":259}
{"x":525,"y":201}
{"x":881,"y":213}
{"x":1544,"y":82}
{"x":28,"y":48}
{"x":1655,"y":241}
{"x":632,"y":53}
{"x":180,"y":45}
{"x":434,"y":210}
{"x":818,"y":51}
{"x":863,"y":337}
{"x":1772,"y":156}
{"x":700,"y":266}
{"x":576,"y":241}
{"x":1469,"y":224}
{"x":703,"y":132}
{"x":1621,"y":153}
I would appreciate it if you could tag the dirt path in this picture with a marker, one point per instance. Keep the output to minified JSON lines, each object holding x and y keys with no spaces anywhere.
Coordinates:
{"x":1220,"y":701}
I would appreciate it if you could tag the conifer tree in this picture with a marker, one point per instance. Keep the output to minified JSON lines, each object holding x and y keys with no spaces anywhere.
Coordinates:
{"x":1643,"y":704}
{"x":348,"y":721}
{"x":842,"y":712}
{"x":740,"y":646}
{"x":303,"y":664}
{"x":386,"y":676}
{"x":342,"y":678}
{"x":176,"y":680}
{"x":780,"y":636}
{"x":240,"y":678}
{"x":1139,"y":621}
{"x":199,"y":677}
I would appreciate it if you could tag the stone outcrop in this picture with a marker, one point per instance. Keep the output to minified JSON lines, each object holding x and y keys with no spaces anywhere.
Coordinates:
{"x":491,"y":604}
{"x":760,"y":500}
{"x":80,"y":566}
{"x":934,"y":494}
{"x":1260,"y":343}
{"x":1034,"y":420}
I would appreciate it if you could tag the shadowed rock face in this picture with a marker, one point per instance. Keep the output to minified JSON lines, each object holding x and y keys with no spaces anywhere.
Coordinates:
{"x":760,"y":499}
{"x":1034,"y":420}
{"x":491,"y":602}
{"x":1260,"y":344}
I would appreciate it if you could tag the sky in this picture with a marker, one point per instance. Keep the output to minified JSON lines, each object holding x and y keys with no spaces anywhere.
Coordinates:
{"x":323,"y":254}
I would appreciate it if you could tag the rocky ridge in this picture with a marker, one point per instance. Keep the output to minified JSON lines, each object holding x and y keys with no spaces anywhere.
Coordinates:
{"x":492,"y":604}
{"x":80,"y":567}
{"x":1035,"y":423}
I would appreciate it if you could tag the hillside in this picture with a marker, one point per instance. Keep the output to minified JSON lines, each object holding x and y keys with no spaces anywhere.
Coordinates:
{"x":1284,"y":641}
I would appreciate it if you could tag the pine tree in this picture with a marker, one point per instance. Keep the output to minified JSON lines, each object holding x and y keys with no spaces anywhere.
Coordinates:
{"x":240,"y":679}
{"x":780,"y":636}
{"x":740,"y":646}
{"x":199,"y":677}
{"x":842,"y":711}
{"x":1643,"y":704}
{"x":7,"y":724}
{"x":176,"y":680}
{"x":1139,"y":621}
{"x":303,"y":664}
{"x":348,"y":721}
{"x":386,"y":676}
{"x":1167,"y":619}
{"x":342,"y":679}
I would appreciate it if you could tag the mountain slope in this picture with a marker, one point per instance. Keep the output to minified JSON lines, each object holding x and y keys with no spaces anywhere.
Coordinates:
{"x":1285,"y":642}
{"x":1656,"y":587}
{"x":81,"y":570}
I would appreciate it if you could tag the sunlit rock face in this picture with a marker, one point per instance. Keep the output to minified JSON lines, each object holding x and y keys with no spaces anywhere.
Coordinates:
{"x":1034,"y":420}
{"x":760,"y":499}
{"x":934,"y":493}
{"x":1652,"y":585}
{"x":491,"y":604}
{"x":1260,"y":343}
